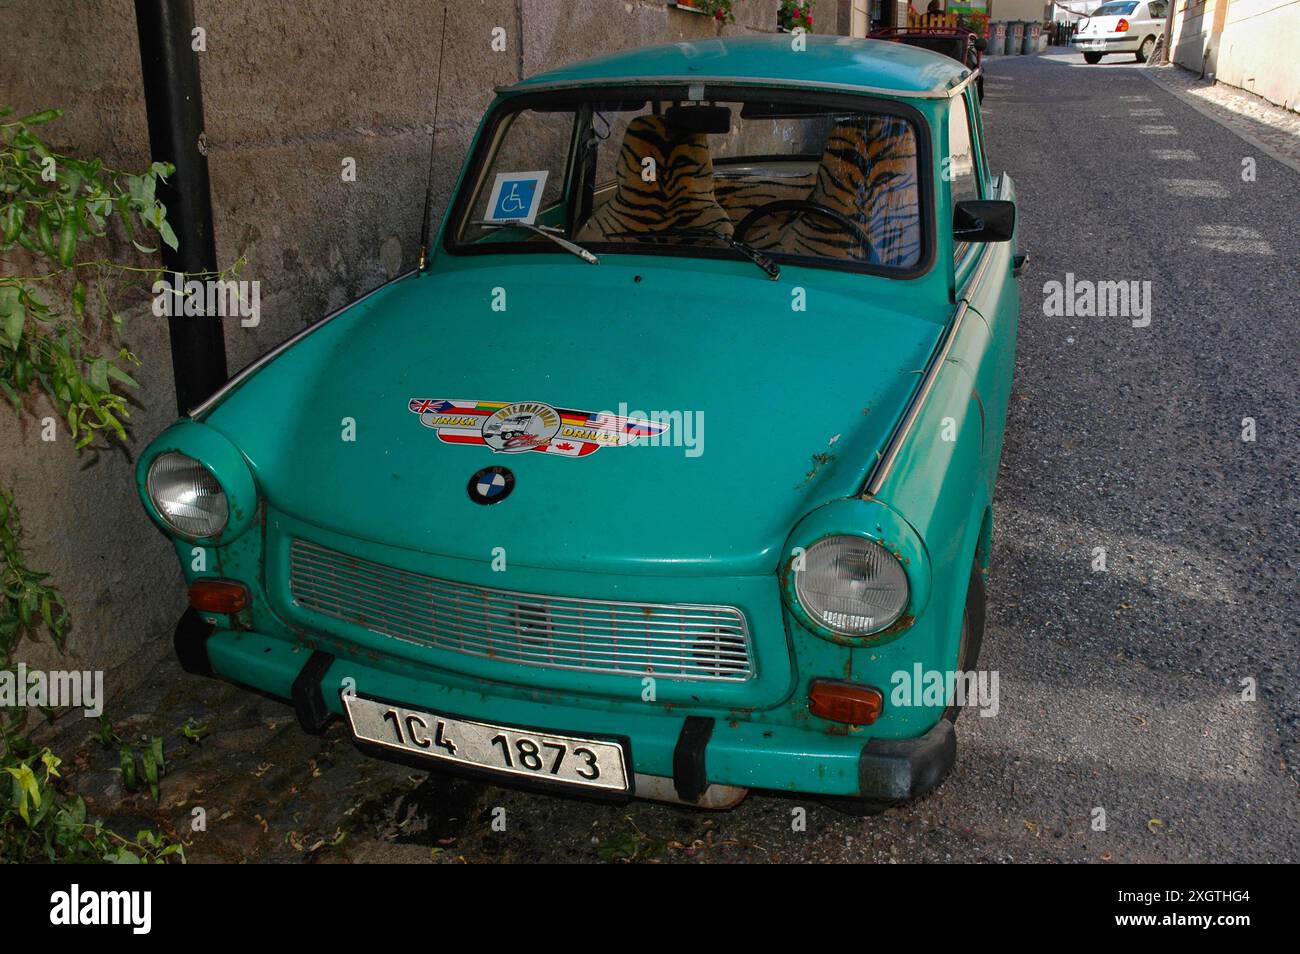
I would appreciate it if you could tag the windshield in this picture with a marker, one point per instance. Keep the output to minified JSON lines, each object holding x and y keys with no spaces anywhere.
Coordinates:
{"x":642,"y":171}
{"x":1115,"y":10}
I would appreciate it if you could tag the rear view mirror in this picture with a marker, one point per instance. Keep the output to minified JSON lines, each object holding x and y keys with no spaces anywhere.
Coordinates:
{"x":984,"y":220}
{"x":698,"y":119}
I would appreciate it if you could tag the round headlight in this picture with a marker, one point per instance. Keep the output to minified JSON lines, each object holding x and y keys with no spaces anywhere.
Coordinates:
{"x":852,"y":586}
{"x":187,"y":496}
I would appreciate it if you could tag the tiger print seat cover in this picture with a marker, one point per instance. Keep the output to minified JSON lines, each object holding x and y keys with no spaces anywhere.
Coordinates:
{"x":868,"y":173}
{"x":681,"y":197}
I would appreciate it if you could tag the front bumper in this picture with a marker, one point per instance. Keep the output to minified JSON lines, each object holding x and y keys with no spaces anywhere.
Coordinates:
{"x":700,"y":760}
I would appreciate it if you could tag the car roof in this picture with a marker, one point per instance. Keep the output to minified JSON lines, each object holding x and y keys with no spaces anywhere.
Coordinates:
{"x":828,"y":62}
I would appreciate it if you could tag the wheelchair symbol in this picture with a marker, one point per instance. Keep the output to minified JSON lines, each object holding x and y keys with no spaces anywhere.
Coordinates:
{"x":511,"y":203}
{"x":515,"y":196}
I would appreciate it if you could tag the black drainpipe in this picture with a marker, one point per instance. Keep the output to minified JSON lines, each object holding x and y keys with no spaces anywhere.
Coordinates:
{"x":174,"y":102}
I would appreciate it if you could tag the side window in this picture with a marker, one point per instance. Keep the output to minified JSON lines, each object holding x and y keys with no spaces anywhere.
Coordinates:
{"x":1158,"y":9}
{"x":960,"y":170}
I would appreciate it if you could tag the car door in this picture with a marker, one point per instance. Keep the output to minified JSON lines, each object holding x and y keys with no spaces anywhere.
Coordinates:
{"x":983,"y":279}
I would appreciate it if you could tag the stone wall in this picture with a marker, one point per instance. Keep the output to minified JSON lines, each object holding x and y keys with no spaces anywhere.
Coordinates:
{"x":291,"y":88}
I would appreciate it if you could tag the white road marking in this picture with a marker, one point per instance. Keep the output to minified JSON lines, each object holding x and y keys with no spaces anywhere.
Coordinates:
{"x":1195,"y":188}
{"x":1232,"y":238}
{"x":1176,"y":155}
{"x":1158,"y":130}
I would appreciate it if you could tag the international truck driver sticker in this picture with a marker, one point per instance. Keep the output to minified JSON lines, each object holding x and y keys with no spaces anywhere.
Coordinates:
{"x":530,"y":426}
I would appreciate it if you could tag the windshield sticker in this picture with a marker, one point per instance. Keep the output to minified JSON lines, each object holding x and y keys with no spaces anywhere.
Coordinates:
{"x":516,"y":196}
{"x":530,"y":426}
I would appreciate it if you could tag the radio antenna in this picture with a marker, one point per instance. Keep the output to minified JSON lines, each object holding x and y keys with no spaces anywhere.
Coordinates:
{"x":433,"y":145}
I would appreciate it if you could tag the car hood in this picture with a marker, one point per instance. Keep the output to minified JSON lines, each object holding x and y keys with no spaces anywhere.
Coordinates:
{"x":784,"y":409}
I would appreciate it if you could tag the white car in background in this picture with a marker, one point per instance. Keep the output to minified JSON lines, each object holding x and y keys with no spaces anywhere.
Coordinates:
{"x":1122,"y":26}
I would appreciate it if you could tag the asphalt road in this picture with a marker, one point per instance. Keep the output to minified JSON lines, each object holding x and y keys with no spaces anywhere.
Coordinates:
{"x":1120,"y":690}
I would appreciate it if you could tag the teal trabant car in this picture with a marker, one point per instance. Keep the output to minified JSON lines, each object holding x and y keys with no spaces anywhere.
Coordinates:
{"x":668,"y":467}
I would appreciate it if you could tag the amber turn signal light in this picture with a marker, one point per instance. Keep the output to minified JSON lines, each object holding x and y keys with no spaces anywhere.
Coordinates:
{"x":218,"y":596}
{"x":845,"y":702}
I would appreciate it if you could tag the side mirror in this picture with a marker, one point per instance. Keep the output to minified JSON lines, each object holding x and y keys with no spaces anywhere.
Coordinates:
{"x":981,"y":44}
{"x":984,"y":220}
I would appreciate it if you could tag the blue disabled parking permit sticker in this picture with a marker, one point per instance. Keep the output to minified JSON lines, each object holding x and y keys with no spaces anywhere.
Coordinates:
{"x":516,"y":196}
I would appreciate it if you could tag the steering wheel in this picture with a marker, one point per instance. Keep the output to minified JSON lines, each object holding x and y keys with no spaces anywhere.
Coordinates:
{"x":804,"y":205}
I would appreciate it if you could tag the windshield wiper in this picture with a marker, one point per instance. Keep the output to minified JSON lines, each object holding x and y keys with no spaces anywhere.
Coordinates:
{"x":550,"y":233}
{"x":772,"y":269}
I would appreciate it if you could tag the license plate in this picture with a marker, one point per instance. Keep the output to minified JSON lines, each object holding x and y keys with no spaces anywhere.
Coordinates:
{"x":544,"y":756}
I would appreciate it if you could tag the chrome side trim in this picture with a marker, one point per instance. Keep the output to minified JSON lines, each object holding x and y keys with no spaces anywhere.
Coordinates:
{"x":200,"y":411}
{"x":935,"y":92}
{"x":880,"y":472}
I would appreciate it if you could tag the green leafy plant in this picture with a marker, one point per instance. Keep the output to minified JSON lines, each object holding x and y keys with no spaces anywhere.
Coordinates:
{"x":58,"y":342}
{"x":29,"y":603}
{"x":795,"y":13}
{"x":152,"y":763}
{"x":977,"y":23}
{"x":40,"y":823}
{"x":193,"y":731}
{"x":50,"y":205}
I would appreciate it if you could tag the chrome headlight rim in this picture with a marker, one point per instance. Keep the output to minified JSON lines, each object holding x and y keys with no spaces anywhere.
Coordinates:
{"x":886,"y":625}
{"x":166,"y":518}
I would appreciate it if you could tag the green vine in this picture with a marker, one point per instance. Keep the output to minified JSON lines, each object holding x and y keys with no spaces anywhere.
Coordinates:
{"x":58,"y":328}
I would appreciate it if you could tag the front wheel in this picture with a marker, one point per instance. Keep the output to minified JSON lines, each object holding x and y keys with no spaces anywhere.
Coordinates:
{"x":1093,"y":58}
{"x":972,"y":632}
{"x":1144,"y":51}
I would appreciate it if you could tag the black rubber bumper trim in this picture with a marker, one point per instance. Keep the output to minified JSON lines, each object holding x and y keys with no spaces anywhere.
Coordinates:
{"x":308,"y":699}
{"x":901,"y":769}
{"x":191,"y":643}
{"x":690,"y":779}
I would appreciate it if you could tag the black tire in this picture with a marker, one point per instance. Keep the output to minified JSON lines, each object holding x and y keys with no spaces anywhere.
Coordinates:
{"x":1093,"y":58}
{"x":1144,"y":51}
{"x":972,"y":632}
{"x":968,"y":652}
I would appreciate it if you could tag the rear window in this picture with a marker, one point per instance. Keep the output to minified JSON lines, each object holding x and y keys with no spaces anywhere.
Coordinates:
{"x":1115,"y":10}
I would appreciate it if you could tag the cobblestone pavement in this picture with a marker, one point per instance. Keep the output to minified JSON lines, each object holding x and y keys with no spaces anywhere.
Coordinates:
{"x":1121,"y":690}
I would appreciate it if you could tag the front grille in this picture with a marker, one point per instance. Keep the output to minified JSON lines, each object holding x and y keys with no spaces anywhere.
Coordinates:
{"x":667,"y":641}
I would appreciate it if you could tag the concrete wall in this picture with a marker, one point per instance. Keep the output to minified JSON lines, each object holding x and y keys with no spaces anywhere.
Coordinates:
{"x":1031,"y":10}
{"x":1251,"y":44}
{"x":291,"y":88}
